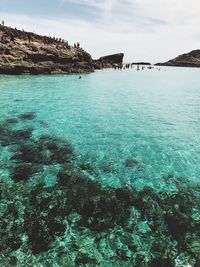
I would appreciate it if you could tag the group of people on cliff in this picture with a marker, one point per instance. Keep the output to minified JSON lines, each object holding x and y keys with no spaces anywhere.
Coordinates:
{"x":10,"y":36}
{"x":57,"y":41}
{"x":77,"y":45}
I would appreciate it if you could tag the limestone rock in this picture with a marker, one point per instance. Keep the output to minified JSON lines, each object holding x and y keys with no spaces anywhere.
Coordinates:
{"x":114,"y":58}
{"x":40,"y":54}
{"x":191,"y":59}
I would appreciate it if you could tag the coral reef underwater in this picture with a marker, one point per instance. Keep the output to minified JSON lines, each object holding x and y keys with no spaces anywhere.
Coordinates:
{"x":73,"y":220}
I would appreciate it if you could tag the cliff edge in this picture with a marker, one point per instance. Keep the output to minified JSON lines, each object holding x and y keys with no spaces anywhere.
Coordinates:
{"x":28,"y":53}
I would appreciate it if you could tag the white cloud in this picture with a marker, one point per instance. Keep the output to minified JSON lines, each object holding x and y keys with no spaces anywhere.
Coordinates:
{"x":152,"y":30}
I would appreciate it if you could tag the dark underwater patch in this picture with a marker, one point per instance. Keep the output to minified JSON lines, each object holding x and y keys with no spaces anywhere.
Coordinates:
{"x":23,"y":171}
{"x":11,"y":121}
{"x":138,"y":228}
{"x":131,"y":163}
{"x":11,"y":137}
{"x":43,"y":123}
{"x":27,"y":116}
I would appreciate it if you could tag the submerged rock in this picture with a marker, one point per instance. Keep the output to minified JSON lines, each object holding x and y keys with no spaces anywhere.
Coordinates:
{"x":43,"y":123}
{"x":22,"y":172}
{"x":11,"y":137}
{"x":11,"y":121}
{"x":87,"y":166}
{"x":47,"y":150}
{"x":27,"y":116}
{"x":79,"y":221}
{"x":29,"y":152}
{"x":22,"y":134}
{"x":109,"y":167}
{"x":161,"y":263}
{"x":61,"y":150}
{"x":131,"y":163}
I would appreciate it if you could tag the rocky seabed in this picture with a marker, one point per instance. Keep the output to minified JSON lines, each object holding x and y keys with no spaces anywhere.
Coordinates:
{"x":76,"y":221}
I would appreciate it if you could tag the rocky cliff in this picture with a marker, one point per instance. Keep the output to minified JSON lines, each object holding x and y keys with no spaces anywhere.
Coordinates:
{"x":191,"y":59}
{"x":27,"y":53}
{"x":109,"y":61}
{"x":114,"y":58}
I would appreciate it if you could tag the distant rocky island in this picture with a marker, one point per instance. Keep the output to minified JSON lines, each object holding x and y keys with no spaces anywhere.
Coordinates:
{"x":24,"y":52}
{"x":191,"y":59}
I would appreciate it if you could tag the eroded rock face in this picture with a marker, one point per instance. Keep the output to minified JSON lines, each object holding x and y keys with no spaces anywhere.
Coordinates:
{"x":29,"y":53}
{"x":191,"y":59}
{"x":114,"y":58}
{"x":111,"y":61}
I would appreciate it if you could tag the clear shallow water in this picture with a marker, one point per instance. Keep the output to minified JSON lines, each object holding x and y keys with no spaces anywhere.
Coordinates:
{"x":127,"y":127}
{"x":110,"y":116}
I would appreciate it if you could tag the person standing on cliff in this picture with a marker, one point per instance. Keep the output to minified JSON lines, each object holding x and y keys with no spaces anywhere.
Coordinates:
{"x":29,"y":37}
{"x":2,"y":22}
{"x":12,"y":38}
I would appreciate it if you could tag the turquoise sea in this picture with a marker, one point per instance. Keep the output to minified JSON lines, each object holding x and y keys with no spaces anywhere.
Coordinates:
{"x":111,"y":116}
{"x":128,"y":129}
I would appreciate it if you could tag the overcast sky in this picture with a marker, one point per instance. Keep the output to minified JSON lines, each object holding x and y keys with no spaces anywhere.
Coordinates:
{"x":145,"y":30}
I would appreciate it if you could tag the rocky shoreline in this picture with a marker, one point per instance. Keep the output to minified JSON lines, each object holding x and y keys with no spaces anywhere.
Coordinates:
{"x":191,"y":59}
{"x":28,"y":53}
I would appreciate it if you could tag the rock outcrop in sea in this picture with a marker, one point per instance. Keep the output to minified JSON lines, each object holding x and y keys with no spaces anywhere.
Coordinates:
{"x":28,"y":53}
{"x":109,"y":61}
{"x":114,"y":58}
{"x":191,"y":59}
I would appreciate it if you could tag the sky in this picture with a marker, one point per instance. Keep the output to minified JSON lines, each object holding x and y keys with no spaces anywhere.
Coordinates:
{"x":144,"y":30}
